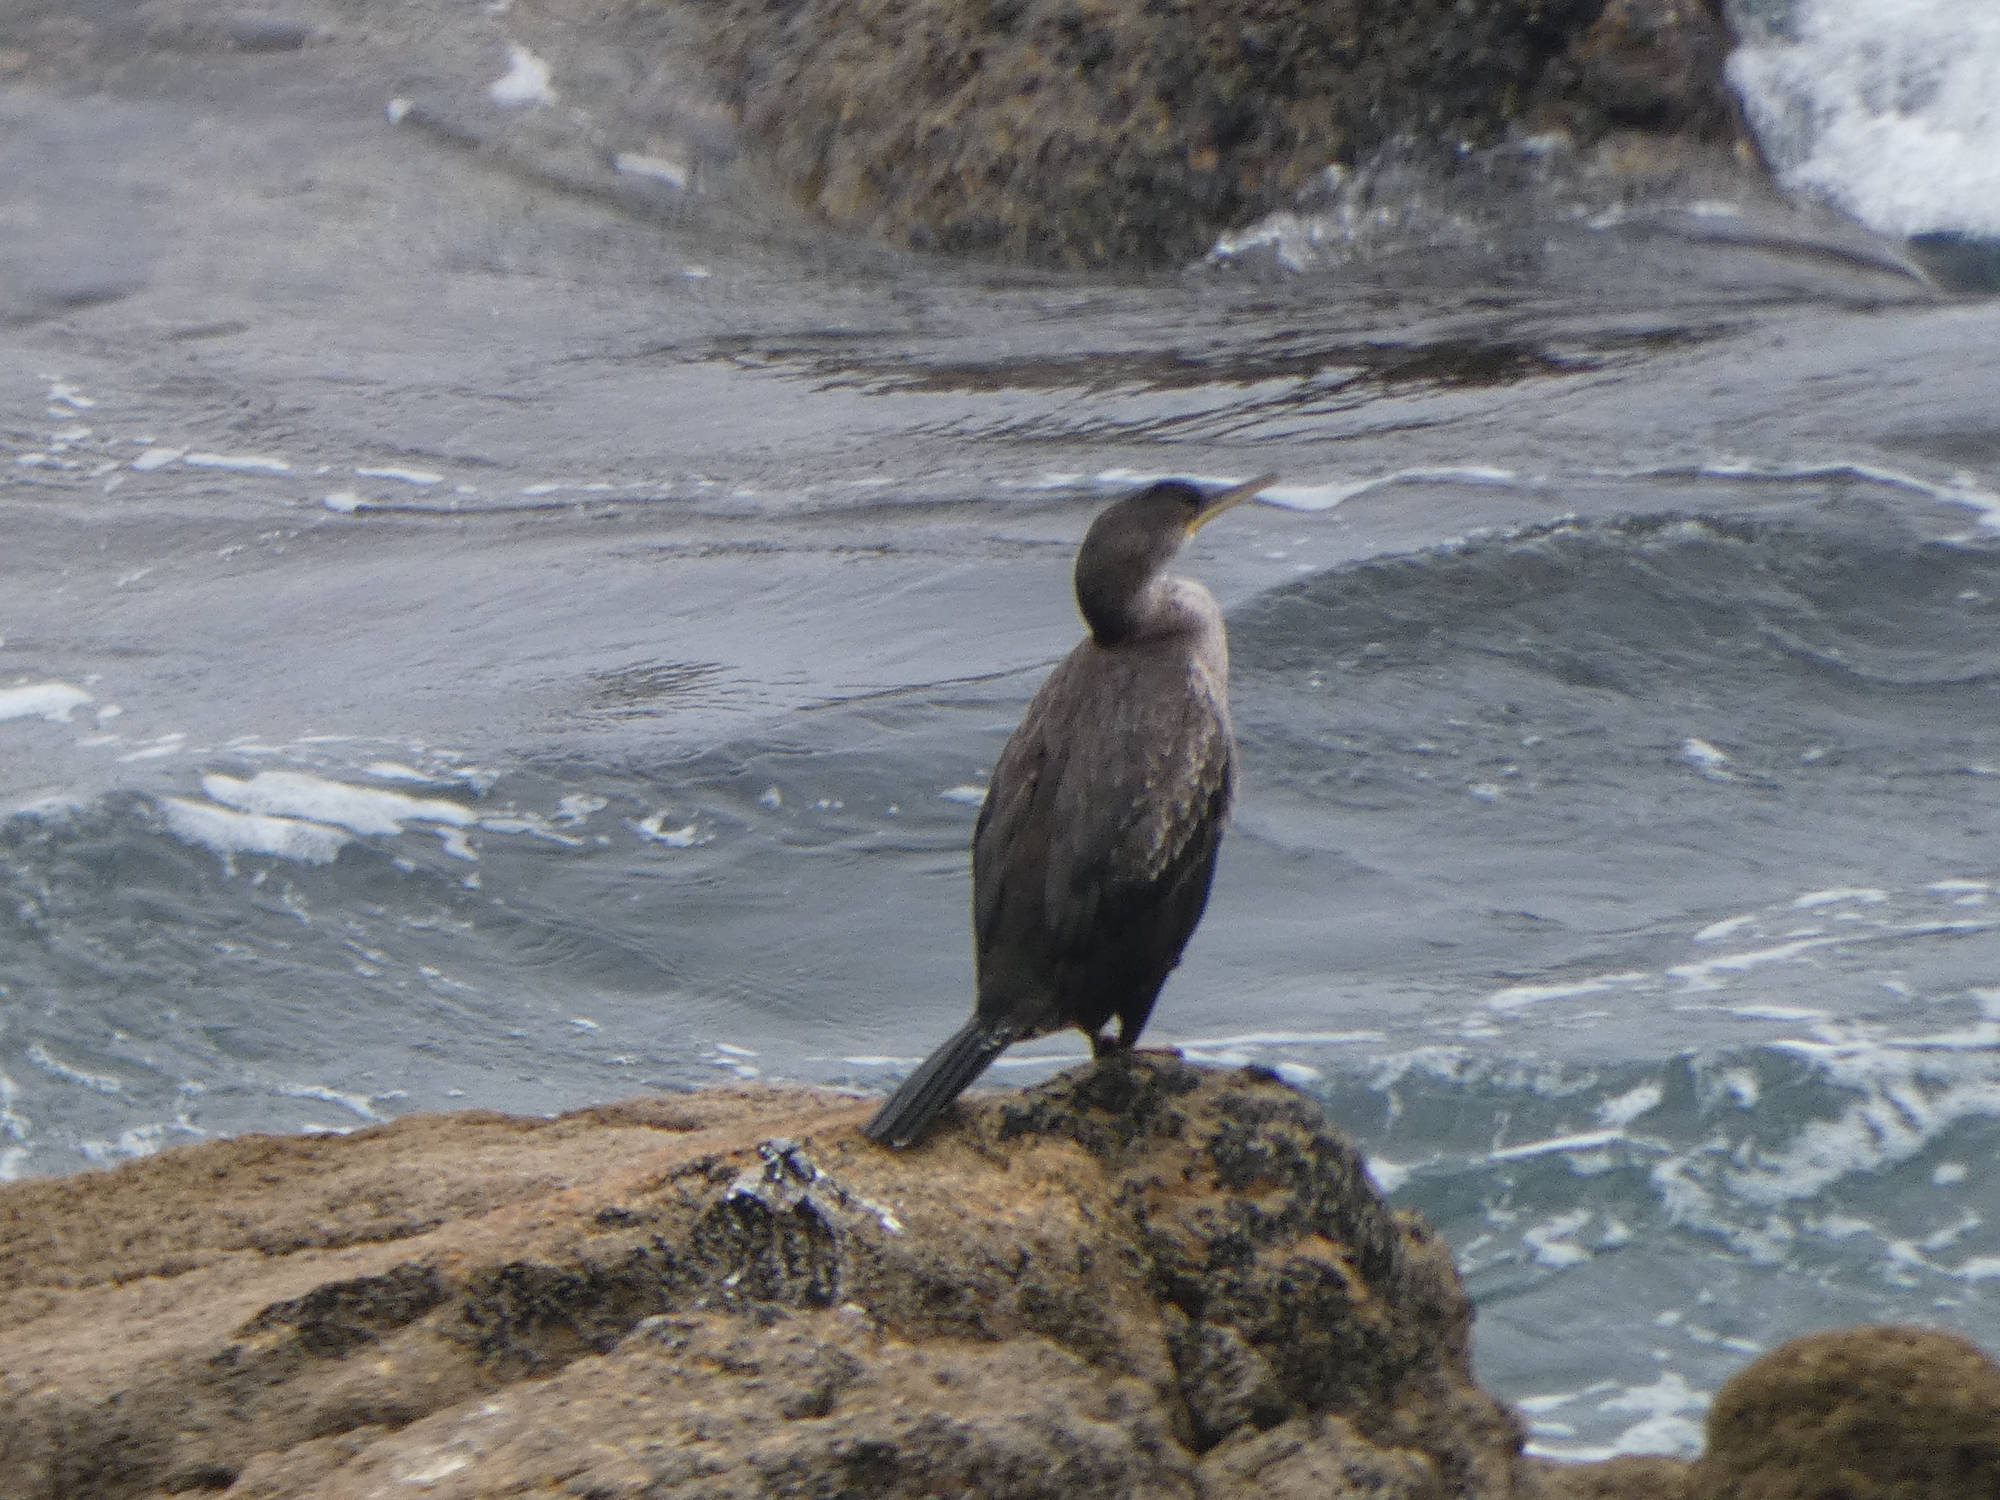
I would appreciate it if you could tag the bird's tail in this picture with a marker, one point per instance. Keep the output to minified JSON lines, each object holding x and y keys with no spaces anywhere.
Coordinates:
{"x":939,"y":1079}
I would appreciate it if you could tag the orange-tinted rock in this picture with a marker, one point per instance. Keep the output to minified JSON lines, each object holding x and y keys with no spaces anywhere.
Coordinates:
{"x":1871,"y":1413}
{"x":1615,"y":1479}
{"x":1143,"y":1280}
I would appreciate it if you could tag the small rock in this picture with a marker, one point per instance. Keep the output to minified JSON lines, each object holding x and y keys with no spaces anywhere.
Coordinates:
{"x":1871,"y":1413}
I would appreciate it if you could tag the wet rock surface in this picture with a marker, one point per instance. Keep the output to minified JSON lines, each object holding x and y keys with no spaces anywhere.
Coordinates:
{"x":1089,"y":134}
{"x":1141,"y":1280}
{"x":1045,"y":132}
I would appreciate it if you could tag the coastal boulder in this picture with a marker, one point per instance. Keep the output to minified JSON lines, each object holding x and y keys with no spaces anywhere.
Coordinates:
{"x":1089,"y":133}
{"x":1871,"y":1413}
{"x":1143,"y":1279}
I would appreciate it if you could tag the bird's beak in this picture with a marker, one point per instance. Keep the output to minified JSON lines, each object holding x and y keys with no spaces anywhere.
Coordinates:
{"x":1235,"y":495}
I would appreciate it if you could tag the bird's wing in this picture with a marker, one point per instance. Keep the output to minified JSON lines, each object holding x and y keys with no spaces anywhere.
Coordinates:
{"x":1135,"y":805}
{"x":1010,"y":840}
{"x":1099,"y":829}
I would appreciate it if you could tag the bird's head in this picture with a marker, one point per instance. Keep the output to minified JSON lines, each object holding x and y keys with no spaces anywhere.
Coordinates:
{"x":1130,"y":544}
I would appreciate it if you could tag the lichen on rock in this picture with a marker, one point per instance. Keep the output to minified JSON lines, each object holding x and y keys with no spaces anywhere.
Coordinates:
{"x":1099,"y":133}
{"x":1140,"y":1279}
{"x":1143,"y":1279}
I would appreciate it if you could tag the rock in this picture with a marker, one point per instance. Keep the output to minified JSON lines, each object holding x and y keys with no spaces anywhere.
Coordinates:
{"x":1141,"y":1280}
{"x":1615,"y":1479}
{"x":1652,"y":65}
{"x":1094,"y":132}
{"x":1871,"y":1413}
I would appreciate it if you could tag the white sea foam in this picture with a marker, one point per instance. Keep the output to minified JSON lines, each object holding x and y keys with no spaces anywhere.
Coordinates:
{"x":97,"y":1083}
{"x":1038,"y":1059}
{"x":1763,"y":1012}
{"x":422,"y":478}
{"x":1281,"y":1039}
{"x":140,"y":1140}
{"x":687,"y":836}
{"x":12,"y":1121}
{"x":1520,"y":996}
{"x":156,"y":749}
{"x":364,"y":810}
{"x":1867,"y":894}
{"x":1587,"y":1141}
{"x":1961,"y":489}
{"x":1667,"y":1409}
{"x":525,"y":83}
{"x":577,"y":807}
{"x":231,"y":833}
{"x":357,"y":1104}
{"x":1725,"y":928}
{"x":1551,"y":1240}
{"x":1666,"y":1426}
{"x":1899,"y":1096}
{"x":1388,"y":1175}
{"x":392,"y":770}
{"x":241,"y":463}
{"x":659,"y":168}
{"x":1328,"y":494}
{"x":1884,"y":107}
{"x":1706,"y":758}
{"x":1617,"y":1113}
{"x":53,"y":701}
{"x":1702,"y":973}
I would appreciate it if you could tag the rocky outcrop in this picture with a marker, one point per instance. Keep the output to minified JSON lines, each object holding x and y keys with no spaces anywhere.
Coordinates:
{"x":1145,"y":1281}
{"x":1140,"y":1280}
{"x":1065,"y":133}
{"x":1101,"y":132}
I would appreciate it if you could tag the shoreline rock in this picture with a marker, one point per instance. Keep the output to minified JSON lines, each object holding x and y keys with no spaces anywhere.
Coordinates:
{"x":1063,"y":134}
{"x":1094,"y":133}
{"x":1140,"y":1279}
{"x":1145,"y":1279}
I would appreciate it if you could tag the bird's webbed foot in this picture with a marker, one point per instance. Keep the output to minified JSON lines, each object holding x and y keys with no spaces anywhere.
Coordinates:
{"x":1104,"y":1044}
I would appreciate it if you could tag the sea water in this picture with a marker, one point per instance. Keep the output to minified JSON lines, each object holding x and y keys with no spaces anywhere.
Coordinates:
{"x":462,"y":645}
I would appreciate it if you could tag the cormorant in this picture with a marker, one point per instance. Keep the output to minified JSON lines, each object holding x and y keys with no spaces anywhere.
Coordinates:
{"x":1093,"y":853}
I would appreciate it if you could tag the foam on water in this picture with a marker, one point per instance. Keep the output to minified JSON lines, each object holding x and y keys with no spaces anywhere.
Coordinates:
{"x":358,"y":809}
{"x":1959,"y":489}
{"x":1886,"y":108}
{"x":231,"y":833}
{"x":1327,"y":494}
{"x":421,"y":478}
{"x":241,"y":463}
{"x":525,"y":84}
{"x":53,"y":701}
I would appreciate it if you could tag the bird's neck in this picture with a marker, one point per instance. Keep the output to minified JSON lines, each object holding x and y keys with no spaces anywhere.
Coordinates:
{"x":1166,"y":607}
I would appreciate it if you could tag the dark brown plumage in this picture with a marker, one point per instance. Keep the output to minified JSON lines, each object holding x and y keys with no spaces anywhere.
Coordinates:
{"x":1092,"y":856}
